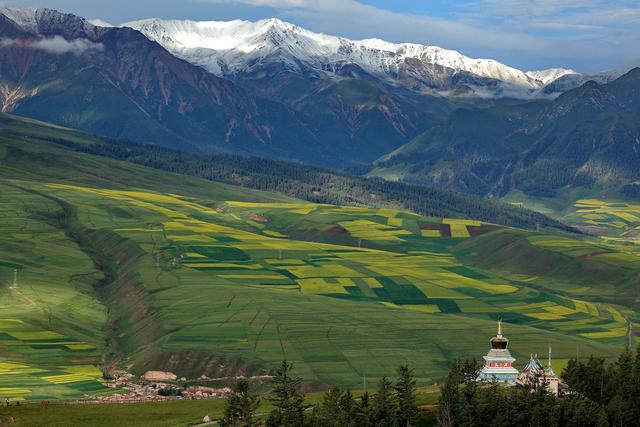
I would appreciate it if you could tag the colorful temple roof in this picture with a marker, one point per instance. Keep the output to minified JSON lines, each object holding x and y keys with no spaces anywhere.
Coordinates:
{"x":534,"y":372}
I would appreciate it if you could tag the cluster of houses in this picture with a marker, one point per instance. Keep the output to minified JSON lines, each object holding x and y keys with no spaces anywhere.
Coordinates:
{"x":499,"y":367}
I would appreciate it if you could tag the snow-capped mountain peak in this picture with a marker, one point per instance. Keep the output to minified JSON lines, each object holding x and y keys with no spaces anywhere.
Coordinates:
{"x":238,"y":47}
{"x":46,"y":22}
{"x":24,"y":17}
{"x":550,"y":75}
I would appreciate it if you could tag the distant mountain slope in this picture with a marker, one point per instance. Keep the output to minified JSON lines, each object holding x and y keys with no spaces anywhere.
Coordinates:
{"x":245,"y":50}
{"x":588,"y":136}
{"x":115,"y":81}
{"x":292,"y":180}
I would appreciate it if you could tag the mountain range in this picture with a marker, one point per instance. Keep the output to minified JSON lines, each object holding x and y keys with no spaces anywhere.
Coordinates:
{"x":254,"y":51}
{"x":587,"y":137}
{"x":269,"y":88}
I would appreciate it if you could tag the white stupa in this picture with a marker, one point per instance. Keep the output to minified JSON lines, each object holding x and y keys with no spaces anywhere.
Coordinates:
{"x":499,"y":362}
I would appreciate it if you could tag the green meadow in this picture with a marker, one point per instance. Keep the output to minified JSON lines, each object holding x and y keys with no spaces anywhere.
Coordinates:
{"x":120,"y":265}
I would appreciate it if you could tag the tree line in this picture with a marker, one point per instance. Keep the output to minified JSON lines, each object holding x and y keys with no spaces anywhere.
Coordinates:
{"x":316,"y":184}
{"x":600,"y":394}
{"x":394,"y":404}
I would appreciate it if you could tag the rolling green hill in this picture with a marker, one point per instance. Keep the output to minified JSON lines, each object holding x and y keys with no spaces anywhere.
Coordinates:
{"x":293,"y":179}
{"x":123,"y":265}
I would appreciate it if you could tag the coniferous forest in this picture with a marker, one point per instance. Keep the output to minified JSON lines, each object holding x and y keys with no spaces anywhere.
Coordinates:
{"x":318,"y":185}
{"x":600,"y":394}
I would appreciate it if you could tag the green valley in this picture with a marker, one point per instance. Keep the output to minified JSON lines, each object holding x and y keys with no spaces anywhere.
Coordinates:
{"x":122,"y":265}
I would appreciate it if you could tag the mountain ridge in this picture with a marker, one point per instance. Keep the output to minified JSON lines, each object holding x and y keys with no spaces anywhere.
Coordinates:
{"x":236,"y":49}
{"x":587,"y":137}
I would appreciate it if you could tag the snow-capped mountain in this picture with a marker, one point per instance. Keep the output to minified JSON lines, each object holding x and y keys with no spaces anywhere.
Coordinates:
{"x":550,"y":75}
{"x":48,"y":22}
{"x":243,"y":49}
{"x":116,"y":82}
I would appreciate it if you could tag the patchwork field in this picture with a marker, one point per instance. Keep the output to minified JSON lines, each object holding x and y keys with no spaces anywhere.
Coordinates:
{"x":210,"y":286}
{"x":51,"y":325}
{"x":613,"y":215}
{"x":122,"y":265}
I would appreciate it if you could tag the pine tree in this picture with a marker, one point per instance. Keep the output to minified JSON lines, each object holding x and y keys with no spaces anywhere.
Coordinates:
{"x":384,"y":404}
{"x":619,"y":407}
{"x":348,"y":407}
{"x":635,"y":387}
{"x":241,"y":407}
{"x":405,"y":389}
{"x":450,"y":396}
{"x":602,"y":420}
{"x":287,"y":399}
{"x":331,"y":410}
{"x":364,"y":411}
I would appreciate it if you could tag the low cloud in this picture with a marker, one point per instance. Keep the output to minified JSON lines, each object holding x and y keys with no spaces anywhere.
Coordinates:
{"x":56,"y":45}
{"x":59,"y":46}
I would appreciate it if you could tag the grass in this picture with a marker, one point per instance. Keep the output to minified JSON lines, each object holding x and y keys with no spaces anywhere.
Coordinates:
{"x":43,"y":351}
{"x":255,"y":292}
{"x":172,"y":413}
{"x":163,"y":272}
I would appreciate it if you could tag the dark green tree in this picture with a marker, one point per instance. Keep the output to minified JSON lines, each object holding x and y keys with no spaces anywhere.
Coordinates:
{"x":331,"y":408}
{"x":385,"y":404}
{"x":241,"y":406}
{"x":364,"y":411}
{"x":619,"y":408}
{"x":450,"y":396}
{"x":405,"y":389}
{"x":287,"y":399}
{"x":348,"y":408}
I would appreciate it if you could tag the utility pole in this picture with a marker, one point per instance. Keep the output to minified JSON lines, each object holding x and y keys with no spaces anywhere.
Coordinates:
{"x":15,"y":279}
{"x":359,"y":243}
{"x":158,"y":260}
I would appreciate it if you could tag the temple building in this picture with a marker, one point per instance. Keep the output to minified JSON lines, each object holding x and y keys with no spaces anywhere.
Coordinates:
{"x":499,"y":362}
{"x":534,"y":374}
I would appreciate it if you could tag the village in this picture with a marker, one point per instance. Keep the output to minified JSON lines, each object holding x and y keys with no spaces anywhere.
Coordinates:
{"x":159,"y":386}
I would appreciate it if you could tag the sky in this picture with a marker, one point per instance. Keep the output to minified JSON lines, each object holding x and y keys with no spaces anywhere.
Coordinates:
{"x":585,"y":35}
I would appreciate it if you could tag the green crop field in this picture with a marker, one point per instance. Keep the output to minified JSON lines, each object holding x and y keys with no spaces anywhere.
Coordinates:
{"x":123,"y":265}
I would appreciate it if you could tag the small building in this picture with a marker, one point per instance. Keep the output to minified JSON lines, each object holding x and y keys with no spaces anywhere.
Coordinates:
{"x":536,"y":375}
{"x":498,"y":361}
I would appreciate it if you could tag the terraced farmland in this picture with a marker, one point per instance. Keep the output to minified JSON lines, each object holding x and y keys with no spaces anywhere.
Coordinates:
{"x":616,"y":215}
{"x":123,"y":265}
{"x":51,"y":325}
{"x":225,"y":287}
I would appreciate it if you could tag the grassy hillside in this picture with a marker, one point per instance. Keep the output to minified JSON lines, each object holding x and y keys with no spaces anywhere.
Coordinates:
{"x":303,"y":182}
{"x":124,"y":265}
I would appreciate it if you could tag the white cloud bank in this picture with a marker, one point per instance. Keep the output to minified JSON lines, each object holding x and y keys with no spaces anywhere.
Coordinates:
{"x":56,"y":45}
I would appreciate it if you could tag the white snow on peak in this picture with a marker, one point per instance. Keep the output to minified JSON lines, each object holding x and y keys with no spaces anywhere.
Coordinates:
{"x":232,"y":47}
{"x":550,"y":75}
{"x":100,"y":23}
{"x":25,"y":17}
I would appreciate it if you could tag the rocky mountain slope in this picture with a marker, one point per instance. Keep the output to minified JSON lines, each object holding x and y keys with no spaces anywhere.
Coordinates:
{"x":587,"y":136}
{"x":115,"y":81}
